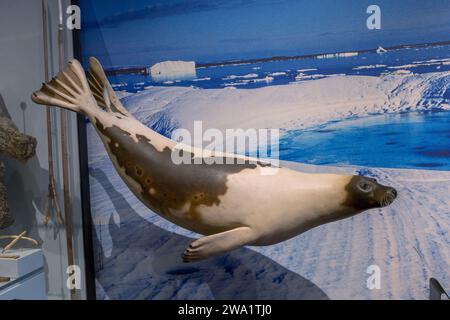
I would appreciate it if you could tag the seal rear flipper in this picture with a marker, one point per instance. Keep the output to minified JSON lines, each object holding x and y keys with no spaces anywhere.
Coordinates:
{"x":218,"y":244}
{"x":102,"y":89}
{"x":68,"y":90}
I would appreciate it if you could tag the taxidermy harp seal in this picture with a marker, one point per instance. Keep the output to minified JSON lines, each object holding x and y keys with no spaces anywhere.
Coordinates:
{"x":232,"y":205}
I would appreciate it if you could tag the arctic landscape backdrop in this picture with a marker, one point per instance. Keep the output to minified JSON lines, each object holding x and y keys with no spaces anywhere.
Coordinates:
{"x":346,"y":99}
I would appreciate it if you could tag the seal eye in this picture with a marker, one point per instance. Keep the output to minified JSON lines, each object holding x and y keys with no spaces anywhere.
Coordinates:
{"x":365,"y":186}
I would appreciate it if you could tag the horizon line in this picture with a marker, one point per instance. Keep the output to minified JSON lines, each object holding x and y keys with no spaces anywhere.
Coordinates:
{"x":198,"y":65}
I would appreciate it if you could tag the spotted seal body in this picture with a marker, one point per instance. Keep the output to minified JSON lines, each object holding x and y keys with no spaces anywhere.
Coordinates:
{"x":231,"y":204}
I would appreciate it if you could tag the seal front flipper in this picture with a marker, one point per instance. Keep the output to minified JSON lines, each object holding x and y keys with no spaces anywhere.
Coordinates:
{"x":218,"y":244}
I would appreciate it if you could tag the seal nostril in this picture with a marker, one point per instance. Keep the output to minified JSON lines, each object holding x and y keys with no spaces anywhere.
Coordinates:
{"x":389,"y":197}
{"x":394,"y":192}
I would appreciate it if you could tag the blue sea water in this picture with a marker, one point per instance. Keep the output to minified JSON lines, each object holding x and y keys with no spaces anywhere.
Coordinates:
{"x":407,"y":140}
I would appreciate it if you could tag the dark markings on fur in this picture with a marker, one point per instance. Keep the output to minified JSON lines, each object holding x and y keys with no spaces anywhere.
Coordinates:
{"x":167,"y":186}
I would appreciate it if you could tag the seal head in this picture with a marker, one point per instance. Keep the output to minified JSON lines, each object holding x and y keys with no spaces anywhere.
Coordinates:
{"x":365,"y":193}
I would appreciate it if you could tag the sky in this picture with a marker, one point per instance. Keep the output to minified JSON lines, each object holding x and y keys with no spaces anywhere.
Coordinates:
{"x":143,"y":32}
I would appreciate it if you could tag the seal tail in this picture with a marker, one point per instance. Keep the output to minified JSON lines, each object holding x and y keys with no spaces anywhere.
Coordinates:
{"x":102,"y":90}
{"x":69,"y":89}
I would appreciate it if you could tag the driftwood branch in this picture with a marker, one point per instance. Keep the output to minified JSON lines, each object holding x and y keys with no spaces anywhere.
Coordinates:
{"x":12,"y":243}
{"x":34,"y":242}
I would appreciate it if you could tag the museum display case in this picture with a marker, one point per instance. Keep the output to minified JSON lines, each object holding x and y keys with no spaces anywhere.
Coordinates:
{"x":224,"y":150}
{"x":40,"y":217}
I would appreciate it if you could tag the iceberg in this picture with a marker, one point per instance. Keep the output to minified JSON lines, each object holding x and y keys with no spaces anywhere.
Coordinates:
{"x":266,"y":79}
{"x":172,"y":70}
{"x":246,"y":76}
{"x":306,"y":70}
{"x":372,"y":66}
{"x":277,"y":74}
{"x":337,"y":55}
{"x":381,"y":50}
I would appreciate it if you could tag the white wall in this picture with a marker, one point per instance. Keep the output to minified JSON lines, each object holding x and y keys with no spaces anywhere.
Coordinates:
{"x":21,"y":73}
